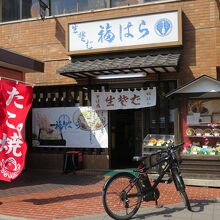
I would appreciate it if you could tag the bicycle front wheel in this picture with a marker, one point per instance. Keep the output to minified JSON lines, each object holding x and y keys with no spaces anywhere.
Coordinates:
{"x":185,"y":199}
{"x":180,"y":186}
{"x":122,"y":196}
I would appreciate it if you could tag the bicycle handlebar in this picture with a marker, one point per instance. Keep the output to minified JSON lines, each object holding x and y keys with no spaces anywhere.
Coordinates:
{"x":172,"y":147}
{"x":175,"y":147}
{"x":150,"y":154}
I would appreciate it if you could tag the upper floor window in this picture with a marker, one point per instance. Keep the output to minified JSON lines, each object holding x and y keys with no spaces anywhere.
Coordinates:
{"x":118,"y":3}
{"x":69,"y":6}
{"x":11,"y":10}
{"x":16,"y":9}
{"x":63,"y":7}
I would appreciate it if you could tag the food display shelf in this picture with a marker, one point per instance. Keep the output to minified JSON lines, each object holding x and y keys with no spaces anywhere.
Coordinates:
{"x":158,"y":141}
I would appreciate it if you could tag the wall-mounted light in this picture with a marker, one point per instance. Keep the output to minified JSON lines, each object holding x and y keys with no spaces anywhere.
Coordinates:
{"x":121,"y":76}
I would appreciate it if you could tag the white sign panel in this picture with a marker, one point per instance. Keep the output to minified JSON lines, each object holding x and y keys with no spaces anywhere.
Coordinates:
{"x":70,"y":127}
{"x":124,"y":99}
{"x":129,"y":31}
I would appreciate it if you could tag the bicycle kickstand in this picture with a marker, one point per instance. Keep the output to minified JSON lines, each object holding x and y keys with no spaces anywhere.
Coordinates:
{"x":156,"y":204}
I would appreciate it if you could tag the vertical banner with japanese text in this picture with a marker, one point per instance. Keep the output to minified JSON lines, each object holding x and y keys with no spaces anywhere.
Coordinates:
{"x":16,"y":100}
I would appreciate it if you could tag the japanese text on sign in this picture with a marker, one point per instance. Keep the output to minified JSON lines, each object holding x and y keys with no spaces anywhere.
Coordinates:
{"x":124,"y":99}
{"x":16,"y":101}
{"x":130,"y":31}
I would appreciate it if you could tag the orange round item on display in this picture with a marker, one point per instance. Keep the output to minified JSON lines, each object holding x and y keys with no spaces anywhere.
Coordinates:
{"x":152,"y":141}
{"x":190,"y":131}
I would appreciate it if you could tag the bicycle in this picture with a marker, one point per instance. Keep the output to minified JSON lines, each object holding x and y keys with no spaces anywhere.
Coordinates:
{"x":124,"y":192}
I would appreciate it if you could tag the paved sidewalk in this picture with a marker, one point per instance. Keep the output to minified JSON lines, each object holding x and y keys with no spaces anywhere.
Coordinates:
{"x":202,"y":210}
{"x":50,"y":196}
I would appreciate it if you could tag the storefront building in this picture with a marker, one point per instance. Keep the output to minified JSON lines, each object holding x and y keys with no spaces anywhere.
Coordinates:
{"x":161,"y":44}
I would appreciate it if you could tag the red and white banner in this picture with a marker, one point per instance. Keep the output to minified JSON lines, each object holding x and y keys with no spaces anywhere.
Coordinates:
{"x":15,"y":102}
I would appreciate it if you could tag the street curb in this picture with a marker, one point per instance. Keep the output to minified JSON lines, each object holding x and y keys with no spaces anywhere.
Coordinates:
{"x":6,"y":217}
{"x":161,"y":213}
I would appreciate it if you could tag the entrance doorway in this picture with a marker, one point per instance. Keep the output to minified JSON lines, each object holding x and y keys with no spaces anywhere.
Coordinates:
{"x":126,"y":140}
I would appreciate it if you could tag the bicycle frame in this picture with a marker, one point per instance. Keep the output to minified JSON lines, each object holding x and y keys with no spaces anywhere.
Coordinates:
{"x":170,"y":163}
{"x":162,"y":173}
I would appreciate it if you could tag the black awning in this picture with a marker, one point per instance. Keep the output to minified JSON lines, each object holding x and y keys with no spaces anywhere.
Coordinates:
{"x":153,"y":61}
{"x":12,"y":60}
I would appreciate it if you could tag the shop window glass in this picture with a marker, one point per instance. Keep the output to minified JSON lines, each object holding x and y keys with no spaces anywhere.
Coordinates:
{"x":10,"y":10}
{"x":157,"y":118}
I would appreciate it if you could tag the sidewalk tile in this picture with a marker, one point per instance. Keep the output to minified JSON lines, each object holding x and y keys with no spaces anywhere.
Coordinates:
{"x":201,"y":216}
{"x":45,"y":196}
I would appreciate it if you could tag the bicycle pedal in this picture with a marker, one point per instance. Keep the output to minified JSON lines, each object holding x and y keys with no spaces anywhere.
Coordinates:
{"x":146,"y":199}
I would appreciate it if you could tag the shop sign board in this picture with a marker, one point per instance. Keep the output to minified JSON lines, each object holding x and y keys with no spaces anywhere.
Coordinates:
{"x":126,"y":33}
{"x":113,"y":100}
{"x":77,"y":127}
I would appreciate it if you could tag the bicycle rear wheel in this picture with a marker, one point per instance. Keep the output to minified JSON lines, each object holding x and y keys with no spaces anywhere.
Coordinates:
{"x":122,"y":196}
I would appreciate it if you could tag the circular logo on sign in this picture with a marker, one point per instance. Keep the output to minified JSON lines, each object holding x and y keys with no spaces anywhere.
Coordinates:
{"x":163,"y":27}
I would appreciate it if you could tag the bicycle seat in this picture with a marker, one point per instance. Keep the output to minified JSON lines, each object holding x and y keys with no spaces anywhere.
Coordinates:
{"x":137,"y":158}
{"x":147,"y":154}
{"x":140,"y":158}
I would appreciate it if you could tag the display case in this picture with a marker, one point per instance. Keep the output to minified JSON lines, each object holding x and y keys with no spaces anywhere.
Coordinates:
{"x":154,"y":142}
{"x":202,"y":140}
{"x":201,"y":128}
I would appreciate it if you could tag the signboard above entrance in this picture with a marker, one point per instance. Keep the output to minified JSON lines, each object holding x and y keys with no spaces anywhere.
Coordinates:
{"x":160,"y":29}
{"x":124,"y":99}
